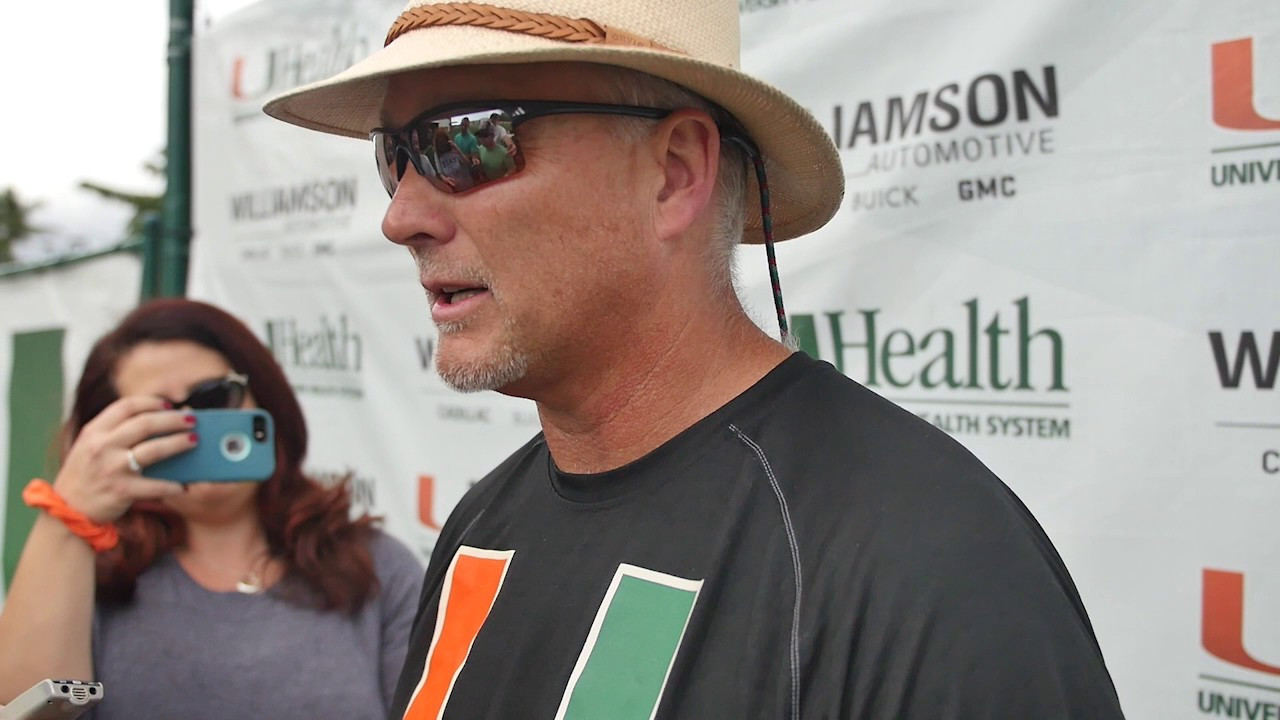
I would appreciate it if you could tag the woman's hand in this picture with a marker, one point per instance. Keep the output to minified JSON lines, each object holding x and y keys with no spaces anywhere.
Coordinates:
{"x":96,"y":477}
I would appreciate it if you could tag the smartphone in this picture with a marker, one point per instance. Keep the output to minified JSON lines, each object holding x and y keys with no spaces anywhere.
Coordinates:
{"x":53,"y":700}
{"x":235,"y":446}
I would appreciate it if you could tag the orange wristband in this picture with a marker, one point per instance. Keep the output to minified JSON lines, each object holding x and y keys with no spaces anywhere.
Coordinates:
{"x":41,"y":495}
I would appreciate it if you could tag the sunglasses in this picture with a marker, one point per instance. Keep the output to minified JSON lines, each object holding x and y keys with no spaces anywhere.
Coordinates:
{"x":218,"y":394}
{"x":463,"y":146}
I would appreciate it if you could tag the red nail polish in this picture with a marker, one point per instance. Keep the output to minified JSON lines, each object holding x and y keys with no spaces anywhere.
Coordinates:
{"x":168,"y":405}
{"x":189,"y":419}
{"x":193,"y":438}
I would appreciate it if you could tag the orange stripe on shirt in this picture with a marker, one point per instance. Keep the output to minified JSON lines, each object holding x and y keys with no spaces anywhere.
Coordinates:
{"x":470,"y":587}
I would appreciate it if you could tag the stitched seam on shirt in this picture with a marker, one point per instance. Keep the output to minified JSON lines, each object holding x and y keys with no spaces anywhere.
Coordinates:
{"x":794,"y":546}
{"x":462,"y":538}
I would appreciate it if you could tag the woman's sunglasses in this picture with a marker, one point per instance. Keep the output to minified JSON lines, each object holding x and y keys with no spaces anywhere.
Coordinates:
{"x":221,"y":393}
{"x":463,"y":146}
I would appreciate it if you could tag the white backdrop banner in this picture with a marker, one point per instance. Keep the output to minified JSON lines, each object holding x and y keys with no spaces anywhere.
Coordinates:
{"x":50,"y":320}
{"x":1058,"y":244}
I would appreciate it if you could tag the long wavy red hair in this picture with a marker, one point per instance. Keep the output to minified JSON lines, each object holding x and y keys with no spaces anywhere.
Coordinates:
{"x":308,"y":526}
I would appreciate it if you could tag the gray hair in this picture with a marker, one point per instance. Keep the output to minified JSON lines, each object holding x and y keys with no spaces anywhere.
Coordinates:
{"x":631,"y":87}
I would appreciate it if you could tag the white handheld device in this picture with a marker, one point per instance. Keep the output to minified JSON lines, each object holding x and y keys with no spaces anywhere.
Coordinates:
{"x":53,"y":700}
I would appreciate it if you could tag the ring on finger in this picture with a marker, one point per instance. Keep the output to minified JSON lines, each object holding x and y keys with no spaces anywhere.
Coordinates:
{"x":134,"y":465}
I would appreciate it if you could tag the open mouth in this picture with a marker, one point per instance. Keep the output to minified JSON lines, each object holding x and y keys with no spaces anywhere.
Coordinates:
{"x":456,"y":295}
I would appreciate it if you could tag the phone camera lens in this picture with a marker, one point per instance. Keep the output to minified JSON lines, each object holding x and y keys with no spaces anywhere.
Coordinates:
{"x":235,"y":446}
{"x":65,"y":689}
{"x":259,"y":429}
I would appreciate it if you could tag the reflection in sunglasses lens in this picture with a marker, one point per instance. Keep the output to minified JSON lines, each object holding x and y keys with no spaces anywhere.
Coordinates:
{"x":454,"y":152}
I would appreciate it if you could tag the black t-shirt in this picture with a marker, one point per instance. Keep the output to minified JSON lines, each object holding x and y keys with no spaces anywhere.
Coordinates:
{"x":809,"y":550}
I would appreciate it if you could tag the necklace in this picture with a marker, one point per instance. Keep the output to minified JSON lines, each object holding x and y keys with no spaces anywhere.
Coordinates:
{"x":250,"y":584}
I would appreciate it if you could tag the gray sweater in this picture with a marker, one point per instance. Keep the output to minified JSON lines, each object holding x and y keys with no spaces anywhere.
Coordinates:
{"x":181,"y":652}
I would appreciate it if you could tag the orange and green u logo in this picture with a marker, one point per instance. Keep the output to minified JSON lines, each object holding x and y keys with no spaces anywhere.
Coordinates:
{"x":632,"y":645}
{"x":470,"y":587}
{"x":626,"y":657}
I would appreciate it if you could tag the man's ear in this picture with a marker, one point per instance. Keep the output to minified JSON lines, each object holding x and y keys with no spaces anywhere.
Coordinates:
{"x":687,"y":148}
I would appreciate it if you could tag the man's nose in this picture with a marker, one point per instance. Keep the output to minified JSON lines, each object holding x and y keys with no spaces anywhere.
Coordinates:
{"x":419,"y":212}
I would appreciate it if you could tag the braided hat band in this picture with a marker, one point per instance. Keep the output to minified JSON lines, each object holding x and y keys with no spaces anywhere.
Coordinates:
{"x":552,"y":27}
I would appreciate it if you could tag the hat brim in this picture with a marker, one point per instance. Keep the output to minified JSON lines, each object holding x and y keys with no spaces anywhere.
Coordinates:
{"x":806,"y":182}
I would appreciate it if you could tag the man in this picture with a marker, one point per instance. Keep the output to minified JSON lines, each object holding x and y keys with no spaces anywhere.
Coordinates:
{"x":709,"y":525}
{"x":495,"y":159}
{"x":500,"y":133}
{"x":466,"y":142}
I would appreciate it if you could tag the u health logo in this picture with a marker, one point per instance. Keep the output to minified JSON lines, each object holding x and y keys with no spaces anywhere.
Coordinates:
{"x":289,"y":65}
{"x":1234,"y":105}
{"x":1233,"y":88}
{"x":985,"y":356}
{"x":1222,"y":635}
{"x":1222,"y":622}
{"x":321,"y":355}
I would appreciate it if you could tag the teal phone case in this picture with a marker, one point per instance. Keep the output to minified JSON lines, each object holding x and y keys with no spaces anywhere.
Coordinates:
{"x":235,"y":446}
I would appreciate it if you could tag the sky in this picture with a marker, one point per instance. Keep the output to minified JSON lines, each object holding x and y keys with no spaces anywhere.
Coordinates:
{"x":98,"y":96}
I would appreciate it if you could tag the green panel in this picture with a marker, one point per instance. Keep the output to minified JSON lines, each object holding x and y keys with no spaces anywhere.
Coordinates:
{"x":805,"y":333}
{"x":624,"y":676}
{"x":35,"y":411}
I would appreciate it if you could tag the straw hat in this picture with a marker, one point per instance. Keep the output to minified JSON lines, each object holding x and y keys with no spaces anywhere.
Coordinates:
{"x":693,"y":43}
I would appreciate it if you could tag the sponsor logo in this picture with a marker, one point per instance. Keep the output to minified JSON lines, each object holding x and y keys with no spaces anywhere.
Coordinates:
{"x":1234,"y":109}
{"x":427,"y":502}
{"x":317,"y":197}
{"x":323,"y":357}
{"x":1233,"y":103}
{"x":1233,"y":358}
{"x":463,"y":414}
{"x":430,"y":511}
{"x":277,"y":219}
{"x":256,"y":77}
{"x":528,"y":417}
{"x":994,"y":117}
{"x":363,"y":489}
{"x":1222,"y":635}
{"x":952,"y":374}
{"x":326,"y":345}
{"x":1246,"y":173}
{"x":1222,"y":621}
{"x":1249,"y":362}
{"x":426,"y":347}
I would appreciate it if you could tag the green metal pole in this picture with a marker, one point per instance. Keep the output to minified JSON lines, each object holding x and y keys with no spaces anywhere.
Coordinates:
{"x":151,"y":238}
{"x":176,"y":240}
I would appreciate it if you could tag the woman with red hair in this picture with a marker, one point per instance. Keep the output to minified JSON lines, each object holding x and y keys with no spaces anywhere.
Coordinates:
{"x":201,"y":600}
